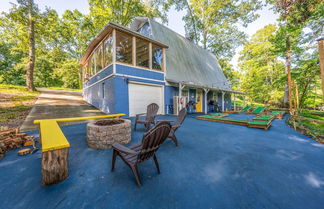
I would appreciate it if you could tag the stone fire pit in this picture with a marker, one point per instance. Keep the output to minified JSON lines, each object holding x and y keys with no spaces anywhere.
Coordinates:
{"x":103,"y":133}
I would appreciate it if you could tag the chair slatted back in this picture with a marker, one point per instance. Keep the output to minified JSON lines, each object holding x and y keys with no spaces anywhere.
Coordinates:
{"x":153,"y":139}
{"x":181,"y":116}
{"x":151,"y":112}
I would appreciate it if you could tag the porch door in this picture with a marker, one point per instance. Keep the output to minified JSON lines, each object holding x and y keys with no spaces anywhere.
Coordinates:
{"x":199,"y":100}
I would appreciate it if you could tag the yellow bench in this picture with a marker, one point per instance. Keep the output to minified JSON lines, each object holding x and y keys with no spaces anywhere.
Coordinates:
{"x":55,"y":148}
{"x":52,"y":136}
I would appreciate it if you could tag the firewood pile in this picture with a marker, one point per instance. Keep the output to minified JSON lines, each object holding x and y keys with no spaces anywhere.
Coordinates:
{"x":12,"y":139}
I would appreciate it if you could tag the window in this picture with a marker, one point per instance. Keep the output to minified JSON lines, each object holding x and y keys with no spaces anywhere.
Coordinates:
{"x":145,"y":29}
{"x":142,"y":53}
{"x":157,"y":57}
{"x":108,"y":50}
{"x":123,"y":48}
{"x":98,"y":56}
{"x":93,"y":64}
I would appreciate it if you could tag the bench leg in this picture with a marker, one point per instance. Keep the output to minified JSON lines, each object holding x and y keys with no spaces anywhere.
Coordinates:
{"x":55,"y":166}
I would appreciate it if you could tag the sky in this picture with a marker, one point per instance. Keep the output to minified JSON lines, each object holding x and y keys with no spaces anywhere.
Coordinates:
{"x":175,"y":18}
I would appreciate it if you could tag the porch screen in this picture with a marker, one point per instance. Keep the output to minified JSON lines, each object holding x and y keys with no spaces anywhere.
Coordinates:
{"x":123,"y":48}
{"x":108,"y":50}
{"x":142,"y":53}
{"x":98,"y":58}
{"x":157,"y":57}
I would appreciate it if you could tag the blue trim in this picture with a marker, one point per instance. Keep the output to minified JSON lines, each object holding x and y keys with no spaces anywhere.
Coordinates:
{"x":142,"y":80}
{"x":133,"y":71}
{"x":102,"y":74}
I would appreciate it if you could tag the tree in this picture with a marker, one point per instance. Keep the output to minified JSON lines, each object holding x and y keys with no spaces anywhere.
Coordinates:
{"x":261,"y":68}
{"x":293,"y":16}
{"x":122,"y":11}
{"x":31,"y":63}
{"x":231,"y":74}
{"x":215,"y":24}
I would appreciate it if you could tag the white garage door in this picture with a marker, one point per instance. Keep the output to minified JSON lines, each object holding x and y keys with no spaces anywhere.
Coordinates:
{"x":141,"y":95}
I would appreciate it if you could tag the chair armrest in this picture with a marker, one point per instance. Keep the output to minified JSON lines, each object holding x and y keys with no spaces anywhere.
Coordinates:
{"x":176,"y":126}
{"x":122,"y":148}
{"x":138,"y":115}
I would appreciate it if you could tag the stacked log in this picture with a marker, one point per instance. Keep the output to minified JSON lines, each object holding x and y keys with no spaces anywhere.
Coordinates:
{"x":12,"y":139}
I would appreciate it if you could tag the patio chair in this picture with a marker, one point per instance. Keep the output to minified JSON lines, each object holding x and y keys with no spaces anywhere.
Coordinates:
{"x":138,"y":153}
{"x":258,"y":110}
{"x":246,"y":109}
{"x":176,"y":124}
{"x":150,"y":114}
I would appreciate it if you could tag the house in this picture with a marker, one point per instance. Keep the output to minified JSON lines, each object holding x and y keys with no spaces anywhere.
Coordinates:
{"x":125,"y":69}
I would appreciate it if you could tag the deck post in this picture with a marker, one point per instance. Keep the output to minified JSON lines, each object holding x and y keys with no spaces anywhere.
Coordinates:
{"x":206,"y":92}
{"x":234,"y":102}
{"x":223,"y":102}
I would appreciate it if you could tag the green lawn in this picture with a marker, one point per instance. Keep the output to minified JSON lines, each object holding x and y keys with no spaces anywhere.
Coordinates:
{"x":311,"y":128}
{"x":15,"y":104}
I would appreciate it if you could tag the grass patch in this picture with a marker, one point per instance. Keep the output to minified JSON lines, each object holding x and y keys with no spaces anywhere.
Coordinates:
{"x":316,"y":128}
{"x":309,"y":128}
{"x":15,"y":104}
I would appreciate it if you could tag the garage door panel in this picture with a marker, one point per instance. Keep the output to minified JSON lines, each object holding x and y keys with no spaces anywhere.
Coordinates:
{"x":142,"y":95}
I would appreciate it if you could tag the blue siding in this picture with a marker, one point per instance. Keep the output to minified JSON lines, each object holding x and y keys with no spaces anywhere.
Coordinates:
{"x":93,"y":95}
{"x":121,"y":91}
{"x":169,"y":93}
{"x":115,"y":90}
{"x":102,"y":74}
{"x":133,"y":71}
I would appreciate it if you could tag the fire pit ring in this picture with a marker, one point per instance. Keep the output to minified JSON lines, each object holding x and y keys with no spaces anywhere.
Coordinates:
{"x":102,"y":134}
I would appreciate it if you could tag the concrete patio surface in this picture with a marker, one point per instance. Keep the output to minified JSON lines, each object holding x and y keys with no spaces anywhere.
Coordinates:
{"x":58,"y":104}
{"x":216,"y":166}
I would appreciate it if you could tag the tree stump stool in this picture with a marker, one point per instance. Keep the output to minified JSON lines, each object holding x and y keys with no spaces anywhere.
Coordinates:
{"x":55,"y":166}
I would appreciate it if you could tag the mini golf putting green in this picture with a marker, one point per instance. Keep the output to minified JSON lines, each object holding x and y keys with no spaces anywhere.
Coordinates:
{"x":220,"y":117}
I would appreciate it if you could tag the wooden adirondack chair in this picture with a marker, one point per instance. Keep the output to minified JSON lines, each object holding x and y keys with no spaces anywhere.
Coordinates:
{"x":138,"y":153}
{"x":151,"y":112}
{"x":176,"y":124}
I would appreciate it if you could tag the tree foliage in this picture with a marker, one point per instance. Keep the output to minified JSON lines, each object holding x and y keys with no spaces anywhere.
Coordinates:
{"x":215,"y":25}
{"x":59,"y":41}
{"x":262,"y":71}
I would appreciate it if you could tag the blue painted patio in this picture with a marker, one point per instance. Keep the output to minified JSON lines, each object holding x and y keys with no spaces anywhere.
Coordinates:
{"x":216,"y":166}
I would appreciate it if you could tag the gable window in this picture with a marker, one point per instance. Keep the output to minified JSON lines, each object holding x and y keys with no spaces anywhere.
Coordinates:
{"x":98,"y":56}
{"x":124,"y":48}
{"x":145,"y":29}
{"x":142,"y":53}
{"x":157,"y":57}
{"x":108,"y":50}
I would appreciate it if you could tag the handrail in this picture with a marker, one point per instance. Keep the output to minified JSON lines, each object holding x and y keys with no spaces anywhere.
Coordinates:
{"x":81,"y":118}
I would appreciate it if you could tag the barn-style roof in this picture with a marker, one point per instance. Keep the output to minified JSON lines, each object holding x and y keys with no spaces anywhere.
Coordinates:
{"x":186,"y":62}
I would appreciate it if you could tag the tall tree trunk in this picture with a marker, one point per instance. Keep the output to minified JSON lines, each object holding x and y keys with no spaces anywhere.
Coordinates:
{"x":193,"y":22}
{"x":31,"y":62}
{"x":288,"y":70}
{"x":321,"y":55}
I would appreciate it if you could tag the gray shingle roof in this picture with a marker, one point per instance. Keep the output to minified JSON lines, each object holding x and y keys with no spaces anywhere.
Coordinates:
{"x":185,"y":61}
